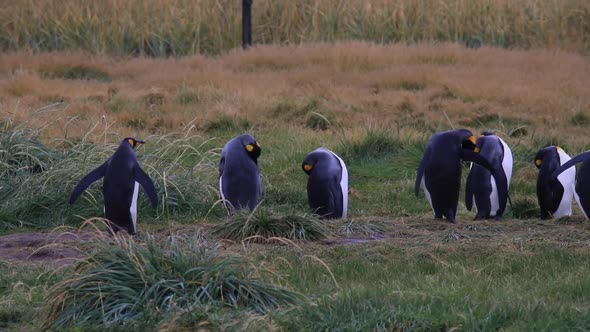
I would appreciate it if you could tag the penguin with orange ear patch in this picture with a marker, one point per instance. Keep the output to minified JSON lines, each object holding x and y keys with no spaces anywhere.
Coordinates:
{"x":439,"y":171}
{"x":122,"y":177}
{"x":240,"y":185}
{"x":327,"y":185}
{"x":481,"y":186}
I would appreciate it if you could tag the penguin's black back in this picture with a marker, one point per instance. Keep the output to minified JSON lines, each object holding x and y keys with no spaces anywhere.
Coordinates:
{"x":549,"y":190}
{"x":583,"y":186}
{"x":239,"y":173}
{"x":119,"y":183}
{"x":442,"y":173}
{"x":324,"y":192}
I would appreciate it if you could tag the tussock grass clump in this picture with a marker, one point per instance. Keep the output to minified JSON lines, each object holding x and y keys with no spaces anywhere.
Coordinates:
{"x":525,"y":208}
{"x":369,"y":229}
{"x":36,"y":179}
{"x":378,"y":144}
{"x":580,"y":118}
{"x":226,"y":123}
{"x":126,"y":282}
{"x":263,"y":223}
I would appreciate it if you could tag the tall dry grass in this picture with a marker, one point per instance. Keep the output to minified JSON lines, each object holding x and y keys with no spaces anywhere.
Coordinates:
{"x":409,"y":90}
{"x":183,"y":27}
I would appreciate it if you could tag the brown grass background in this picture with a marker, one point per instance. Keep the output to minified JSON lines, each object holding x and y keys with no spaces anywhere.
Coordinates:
{"x":354,"y":85}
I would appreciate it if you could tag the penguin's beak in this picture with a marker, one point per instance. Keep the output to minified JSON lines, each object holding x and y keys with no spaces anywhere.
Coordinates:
{"x":139,"y":142}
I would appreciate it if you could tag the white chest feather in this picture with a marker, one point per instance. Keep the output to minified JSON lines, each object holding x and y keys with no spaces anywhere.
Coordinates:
{"x":133,"y":207}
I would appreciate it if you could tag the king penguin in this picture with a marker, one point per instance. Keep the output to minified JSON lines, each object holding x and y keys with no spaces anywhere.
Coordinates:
{"x":554,"y":194}
{"x":582,"y":189}
{"x":327,"y":184}
{"x":240,"y":185}
{"x":122,"y":177}
{"x":481,"y":185}
{"x":439,"y":171}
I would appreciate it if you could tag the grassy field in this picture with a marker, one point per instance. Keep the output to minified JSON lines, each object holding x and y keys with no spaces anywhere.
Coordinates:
{"x":389,"y":266}
{"x":186,"y":27}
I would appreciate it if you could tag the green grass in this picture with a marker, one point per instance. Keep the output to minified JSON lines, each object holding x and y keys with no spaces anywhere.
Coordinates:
{"x":262,"y":225}
{"x":390,"y":266}
{"x":127,"y":282}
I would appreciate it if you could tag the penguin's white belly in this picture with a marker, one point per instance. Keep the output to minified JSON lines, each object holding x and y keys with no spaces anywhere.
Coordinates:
{"x":222,"y":195}
{"x":565,"y":205}
{"x":133,"y":208}
{"x":494,"y":201}
{"x":343,"y":185}
{"x":427,"y":194}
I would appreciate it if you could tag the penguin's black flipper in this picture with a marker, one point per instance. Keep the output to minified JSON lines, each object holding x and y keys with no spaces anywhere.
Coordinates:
{"x":221,"y":166}
{"x":498,"y":174}
{"x":577,"y":159}
{"x":469,"y":191}
{"x":94,"y":175}
{"x":147,"y":184}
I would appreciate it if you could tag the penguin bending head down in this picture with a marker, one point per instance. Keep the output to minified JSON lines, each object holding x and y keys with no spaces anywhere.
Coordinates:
{"x":240,"y":185}
{"x":554,"y":193}
{"x":481,"y":185}
{"x":122,"y":177}
{"x":439,"y":171}
{"x":327,"y":185}
{"x":582,"y":189}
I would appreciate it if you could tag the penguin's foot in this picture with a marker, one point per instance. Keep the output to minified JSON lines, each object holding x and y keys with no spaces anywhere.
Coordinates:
{"x":498,"y":218}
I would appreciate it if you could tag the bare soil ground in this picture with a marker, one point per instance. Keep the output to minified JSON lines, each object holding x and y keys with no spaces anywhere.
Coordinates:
{"x":55,"y":248}
{"x":61,"y":248}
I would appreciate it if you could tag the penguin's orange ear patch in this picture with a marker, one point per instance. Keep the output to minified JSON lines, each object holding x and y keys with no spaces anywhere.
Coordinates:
{"x":472,"y":139}
{"x":250,"y":147}
{"x":132,"y":142}
{"x":477,"y":149}
{"x":307,"y":167}
{"x":538,"y":162}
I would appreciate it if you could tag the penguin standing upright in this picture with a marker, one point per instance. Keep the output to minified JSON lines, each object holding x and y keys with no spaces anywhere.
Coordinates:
{"x":554,"y":194}
{"x":439,"y":171}
{"x":240,"y":185}
{"x":327,"y":185}
{"x":582,"y":189}
{"x":481,"y":186}
{"x":122,"y":177}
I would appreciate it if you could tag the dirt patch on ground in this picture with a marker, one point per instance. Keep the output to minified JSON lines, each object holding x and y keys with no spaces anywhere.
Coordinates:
{"x":53,"y":248}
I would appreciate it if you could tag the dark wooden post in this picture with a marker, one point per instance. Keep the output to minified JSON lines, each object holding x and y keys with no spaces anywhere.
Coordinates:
{"x":247,"y":23}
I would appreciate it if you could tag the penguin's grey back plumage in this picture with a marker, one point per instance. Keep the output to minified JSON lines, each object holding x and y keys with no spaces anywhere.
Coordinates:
{"x":327,"y":185}
{"x":240,"y":185}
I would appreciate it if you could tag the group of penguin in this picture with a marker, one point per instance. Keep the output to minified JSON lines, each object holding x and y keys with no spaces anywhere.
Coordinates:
{"x":240,"y":184}
{"x":439,"y":174}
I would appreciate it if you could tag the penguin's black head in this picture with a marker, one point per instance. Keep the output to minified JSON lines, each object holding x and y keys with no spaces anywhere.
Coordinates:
{"x":251,"y":146}
{"x":546,"y":154}
{"x":132,"y":141}
{"x":320,"y":156}
{"x":308,"y":163}
{"x":468,"y":141}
